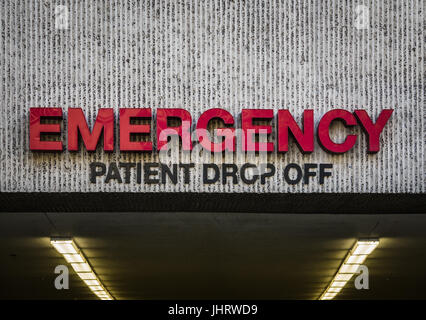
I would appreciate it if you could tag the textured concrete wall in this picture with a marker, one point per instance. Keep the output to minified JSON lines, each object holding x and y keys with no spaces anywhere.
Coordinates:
{"x":205,"y":54}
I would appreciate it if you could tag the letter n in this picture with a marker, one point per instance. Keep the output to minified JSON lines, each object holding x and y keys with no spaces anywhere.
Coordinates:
{"x":287,"y":124}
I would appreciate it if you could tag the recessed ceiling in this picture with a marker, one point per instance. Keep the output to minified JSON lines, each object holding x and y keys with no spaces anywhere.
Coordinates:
{"x":211,"y":255}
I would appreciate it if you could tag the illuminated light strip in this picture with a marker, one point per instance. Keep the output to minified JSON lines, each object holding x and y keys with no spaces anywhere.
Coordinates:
{"x":79,"y":263}
{"x":356,"y":256}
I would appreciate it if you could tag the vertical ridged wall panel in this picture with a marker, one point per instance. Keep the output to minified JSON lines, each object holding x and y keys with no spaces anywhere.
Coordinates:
{"x":206,"y":54}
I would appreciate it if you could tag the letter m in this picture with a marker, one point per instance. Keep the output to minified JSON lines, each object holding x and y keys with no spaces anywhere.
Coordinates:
{"x":77,"y":123}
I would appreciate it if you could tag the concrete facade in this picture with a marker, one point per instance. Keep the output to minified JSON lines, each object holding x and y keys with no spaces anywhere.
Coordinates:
{"x":229,"y":54}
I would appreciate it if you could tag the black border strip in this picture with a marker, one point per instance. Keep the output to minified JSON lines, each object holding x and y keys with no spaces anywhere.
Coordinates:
{"x":335,"y":203}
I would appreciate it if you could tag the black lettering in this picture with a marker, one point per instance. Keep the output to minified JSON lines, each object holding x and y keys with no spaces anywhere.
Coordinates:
{"x":113,"y":173}
{"x":139,"y":173}
{"x":244,"y":178}
{"x":165,"y":171}
{"x":226,"y":174}
{"x":95,"y":173}
{"x":268,"y":174}
{"x":186,"y":167}
{"x":309,"y":173}
{"x":148,"y":172}
{"x":287,"y":171}
{"x":206,"y":167}
{"x":323,"y":173}
{"x":127,"y":166}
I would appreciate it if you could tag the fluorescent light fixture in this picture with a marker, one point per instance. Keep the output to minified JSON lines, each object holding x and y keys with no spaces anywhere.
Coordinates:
{"x":356,"y":259}
{"x":103,"y":295}
{"x":365,"y":247}
{"x":349,"y":267}
{"x":92,"y":282}
{"x":73,"y":258}
{"x":81,"y":266}
{"x":87,"y":275}
{"x":343,"y":276}
{"x":338,"y":284}
{"x":64,"y":246}
{"x":329,"y":296}
{"x":96,"y":288}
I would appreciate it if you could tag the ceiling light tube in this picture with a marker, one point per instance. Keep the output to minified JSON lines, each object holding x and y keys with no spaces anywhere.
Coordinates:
{"x":81,"y":267}
{"x":92,"y":282}
{"x":96,"y":288}
{"x":64,"y":246}
{"x":87,"y":275}
{"x":73,"y":255}
{"x":359,"y":259}
{"x":349,"y":268}
{"x":343,"y":276}
{"x":74,"y":258}
{"x":350,"y":265}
